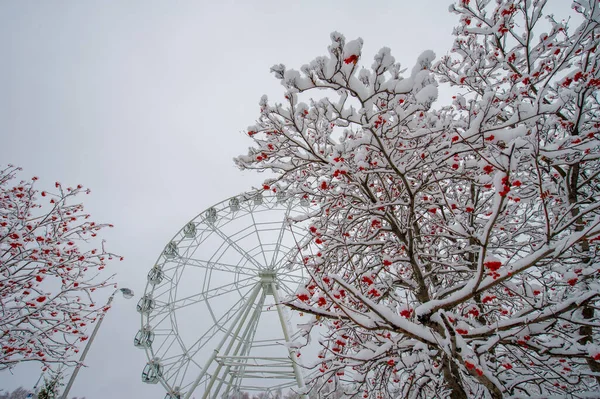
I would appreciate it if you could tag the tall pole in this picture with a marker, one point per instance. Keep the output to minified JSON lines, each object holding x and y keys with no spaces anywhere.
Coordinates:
{"x":126,"y":292}
{"x":35,"y":387}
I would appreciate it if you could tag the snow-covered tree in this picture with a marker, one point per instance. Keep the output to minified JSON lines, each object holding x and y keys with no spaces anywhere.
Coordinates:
{"x":50,"y":389}
{"x":49,"y":270}
{"x":452,"y":250}
{"x":19,"y":393}
{"x":22,"y":393}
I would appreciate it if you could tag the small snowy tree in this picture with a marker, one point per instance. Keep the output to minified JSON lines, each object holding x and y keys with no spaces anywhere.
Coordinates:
{"x":49,"y":270}
{"x":452,"y":252}
{"x":49,"y":390}
{"x":19,"y":393}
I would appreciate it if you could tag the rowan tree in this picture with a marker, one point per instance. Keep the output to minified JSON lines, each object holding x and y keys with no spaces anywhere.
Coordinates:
{"x":452,"y":250}
{"x":50,"y":265}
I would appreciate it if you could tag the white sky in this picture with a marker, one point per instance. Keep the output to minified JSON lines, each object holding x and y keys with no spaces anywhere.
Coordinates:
{"x":146,"y":102}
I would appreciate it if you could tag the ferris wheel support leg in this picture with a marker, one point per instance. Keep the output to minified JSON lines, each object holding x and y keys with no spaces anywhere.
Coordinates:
{"x":244,"y":310}
{"x":248,"y":346}
{"x":286,"y":335}
{"x":243,"y":345}
{"x":240,"y":324}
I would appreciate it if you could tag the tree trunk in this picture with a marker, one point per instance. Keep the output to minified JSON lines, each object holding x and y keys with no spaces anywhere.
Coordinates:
{"x":586,"y":333}
{"x":453,"y":380}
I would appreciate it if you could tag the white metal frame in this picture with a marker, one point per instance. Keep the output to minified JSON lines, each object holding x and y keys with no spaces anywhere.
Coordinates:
{"x":243,"y":250}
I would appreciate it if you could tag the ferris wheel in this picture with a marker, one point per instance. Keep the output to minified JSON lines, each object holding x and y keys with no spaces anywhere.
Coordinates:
{"x":212,"y":321}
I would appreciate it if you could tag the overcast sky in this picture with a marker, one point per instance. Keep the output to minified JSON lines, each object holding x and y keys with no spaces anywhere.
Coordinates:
{"x":146,"y":102}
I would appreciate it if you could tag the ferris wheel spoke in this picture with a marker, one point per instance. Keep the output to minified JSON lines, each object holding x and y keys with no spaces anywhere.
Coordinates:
{"x":162,"y":331}
{"x":218,"y":266}
{"x":202,"y":382}
{"x":177,"y":371}
{"x":173,"y":365}
{"x":293,"y":273}
{"x":206,"y":295}
{"x":182,"y":372}
{"x":262,"y":249}
{"x":287,"y":289}
{"x":282,"y":231}
{"x":167,"y":360}
{"x":202,"y":236}
{"x":162,"y":349}
{"x":156,"y":318}
{"x":239,"y":249}
{"x":210,"y":333}
{"x":290,"y":287}
{"x":164,"y":289}
{"x":292,"y":252}
{"x":293,"y":264}
{"x":160,"y":313}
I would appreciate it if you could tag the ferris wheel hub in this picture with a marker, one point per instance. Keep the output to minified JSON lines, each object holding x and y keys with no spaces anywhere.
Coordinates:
{"x":267,"y":279}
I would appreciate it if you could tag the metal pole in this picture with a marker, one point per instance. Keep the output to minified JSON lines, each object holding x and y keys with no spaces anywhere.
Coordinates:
{"x":87,"y":348}
{"x":35,"y":387}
